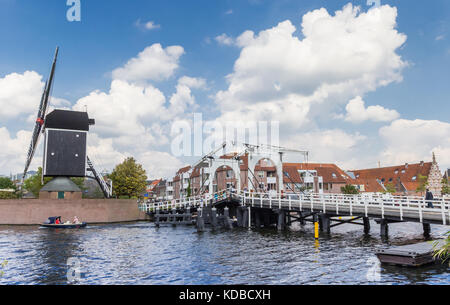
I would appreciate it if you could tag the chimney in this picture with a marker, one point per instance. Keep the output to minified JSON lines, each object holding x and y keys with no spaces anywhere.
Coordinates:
{"x":421,"y":163}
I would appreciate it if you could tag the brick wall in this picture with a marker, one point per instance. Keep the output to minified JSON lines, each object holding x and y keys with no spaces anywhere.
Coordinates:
{"x":35,"y":211}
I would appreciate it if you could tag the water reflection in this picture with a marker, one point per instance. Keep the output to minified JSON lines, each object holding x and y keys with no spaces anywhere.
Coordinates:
{"x":140,"y":253}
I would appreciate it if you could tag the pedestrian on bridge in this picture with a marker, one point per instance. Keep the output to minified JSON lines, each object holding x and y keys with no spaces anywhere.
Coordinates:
{"x":428,"y":198}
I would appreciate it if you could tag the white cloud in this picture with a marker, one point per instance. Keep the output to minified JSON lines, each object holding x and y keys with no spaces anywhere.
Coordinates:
{"x":153,"y":63}
{"x":415,"y":140}
{"x":224,"y":39}
{"x":340,"y":56}
{"x":149,"y":25}
{"x":193,"y":82}
{"x":357,"y":112}
{"x":328,"y":146}
{"x":14,"y":151}
{"x":159,"y":164}
{"x":229,"y":12}
{"x":20,"y":94}
{"x":440,"y":37}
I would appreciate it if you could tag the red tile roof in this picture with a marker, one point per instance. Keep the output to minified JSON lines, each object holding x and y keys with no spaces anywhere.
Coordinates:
{"x":392,"y":174}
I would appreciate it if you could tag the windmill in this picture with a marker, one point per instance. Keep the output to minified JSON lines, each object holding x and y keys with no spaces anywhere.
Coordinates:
{"x":65,"y":140}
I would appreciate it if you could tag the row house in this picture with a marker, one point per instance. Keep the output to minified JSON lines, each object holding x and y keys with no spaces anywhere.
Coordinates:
{"x":405,"y":179}
{"x":181,"y":182}
{"x":317,"y":177}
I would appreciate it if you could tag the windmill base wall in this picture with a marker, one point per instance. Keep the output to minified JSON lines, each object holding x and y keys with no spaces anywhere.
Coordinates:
{"x":36,"y":211}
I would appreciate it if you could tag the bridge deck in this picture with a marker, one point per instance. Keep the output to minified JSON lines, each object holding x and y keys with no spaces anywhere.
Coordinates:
{"x":399,"y":208}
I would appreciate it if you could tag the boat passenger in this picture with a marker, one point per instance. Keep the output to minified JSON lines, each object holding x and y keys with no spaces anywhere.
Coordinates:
{"x":75,"y":220}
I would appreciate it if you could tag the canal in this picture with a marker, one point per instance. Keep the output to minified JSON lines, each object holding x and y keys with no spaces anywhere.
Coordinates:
{"x":139,"y":253}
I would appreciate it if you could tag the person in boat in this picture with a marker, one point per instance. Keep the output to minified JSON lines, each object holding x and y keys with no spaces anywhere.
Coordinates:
{"x":57,"y":221}
{"x":75,"y":220}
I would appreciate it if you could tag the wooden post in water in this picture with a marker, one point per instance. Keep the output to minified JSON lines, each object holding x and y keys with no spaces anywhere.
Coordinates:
{"x":200,"y":221}
{"x":384,"y":228}
{"x":214,"y":217}
{"x":366,"y":222}
{"x":426,"y":230}
{"x":326,"y":223}
{"x":281,"y":225}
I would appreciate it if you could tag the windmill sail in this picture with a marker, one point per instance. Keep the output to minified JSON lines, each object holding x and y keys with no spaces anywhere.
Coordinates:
{"x":40,"y":116}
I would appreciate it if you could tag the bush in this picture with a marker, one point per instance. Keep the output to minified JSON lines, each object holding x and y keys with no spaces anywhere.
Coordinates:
{"x":8,"y":195}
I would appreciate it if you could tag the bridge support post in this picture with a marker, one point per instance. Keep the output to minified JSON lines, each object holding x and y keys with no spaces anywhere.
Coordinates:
{"x":426,"y":230}
{"x":174,"y":217}
{"x":301,"y":218}
{"x":226,"y":214}
{"x":366,"y":222}
{"x":200,"y":221}
{"x":245,"y":217}
{"x":384,"y":228}
{"x":214,"y":217}
{"x":281,"y":225}
{"x":240,"y":216}
{"x":258,"y":217}
{"x":325,"y":222}
{"x":157,"y":220}
{"x":187,"y":216}
{"x":266,"y":219}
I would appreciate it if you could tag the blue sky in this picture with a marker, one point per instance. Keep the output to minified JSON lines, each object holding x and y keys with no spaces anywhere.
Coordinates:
{"x":109,"y":35}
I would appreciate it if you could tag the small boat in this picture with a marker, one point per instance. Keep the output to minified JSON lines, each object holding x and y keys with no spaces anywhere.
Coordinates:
{"x":51,"y":223}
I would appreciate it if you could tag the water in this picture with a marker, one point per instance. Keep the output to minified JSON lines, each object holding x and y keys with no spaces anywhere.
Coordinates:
{"x":139,"y":253}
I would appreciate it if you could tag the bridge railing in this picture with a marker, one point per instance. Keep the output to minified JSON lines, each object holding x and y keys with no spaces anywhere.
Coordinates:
{"x":191,"y":202}
{"x":382,"y":205}
{"x":411,"y":207}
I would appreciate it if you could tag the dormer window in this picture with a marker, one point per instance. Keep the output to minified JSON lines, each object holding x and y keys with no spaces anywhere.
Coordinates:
{"x":334,"y":175}
{"x":403,"y":171}
{"x":396,"y":172}
{"x":414,"y":178}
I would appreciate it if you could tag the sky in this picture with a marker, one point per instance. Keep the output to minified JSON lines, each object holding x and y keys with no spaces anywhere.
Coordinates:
{"x":352,"y":83}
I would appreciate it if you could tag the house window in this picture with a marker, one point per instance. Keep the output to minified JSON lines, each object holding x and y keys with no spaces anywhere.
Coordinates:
{"x":414,"y":178}
{"x":229,"y":173}
{"x":261,"y":174}
{"x":334,"y":175}
{"x":60,"y":195}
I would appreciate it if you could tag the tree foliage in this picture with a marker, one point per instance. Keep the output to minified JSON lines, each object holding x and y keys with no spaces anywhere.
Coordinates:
{"x":423,"y":184}
{"x":34,"y":183}
{"x":445,"y":187}
{"x":390,"y":188}
{"x":129,"y":179}
{"x":6,"y":183}
{"x":349,"y":189}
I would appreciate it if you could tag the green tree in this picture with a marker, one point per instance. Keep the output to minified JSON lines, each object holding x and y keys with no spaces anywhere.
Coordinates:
{"x":6,"y":183}
{"x":188,"y":190}
{"x":34,"y":183}
{"x":423,"y":184}
{"x":445,"y":187}
{"x":129,"y":179}
{"x":390,"y":188}
{"x":349,"y":189}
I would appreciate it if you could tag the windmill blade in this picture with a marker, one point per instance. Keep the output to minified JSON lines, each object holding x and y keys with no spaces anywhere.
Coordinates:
{"x":38,"y":127}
